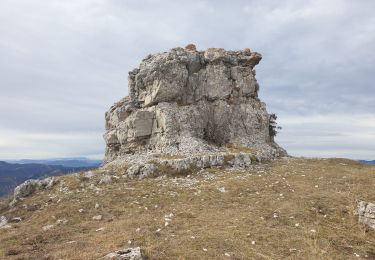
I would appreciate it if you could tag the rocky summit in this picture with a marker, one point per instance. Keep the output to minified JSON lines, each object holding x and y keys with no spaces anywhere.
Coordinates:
{"x":186,"y":103}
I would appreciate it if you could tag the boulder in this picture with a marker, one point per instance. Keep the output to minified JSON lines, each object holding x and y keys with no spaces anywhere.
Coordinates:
{"x":3,"y":222}
{"x":30,"y":186}
{"x":366,"y":212}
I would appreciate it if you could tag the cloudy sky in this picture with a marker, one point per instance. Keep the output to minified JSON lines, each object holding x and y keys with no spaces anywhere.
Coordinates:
{"x":63,"y":63}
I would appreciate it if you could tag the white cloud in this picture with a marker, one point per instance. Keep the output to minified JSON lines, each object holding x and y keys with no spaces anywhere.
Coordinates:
{"x":331,"y":135}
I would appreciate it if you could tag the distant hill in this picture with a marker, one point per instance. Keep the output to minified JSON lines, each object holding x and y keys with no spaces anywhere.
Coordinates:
{"x":12,"y":174}
{"x":67,"y":162}
{"x":367,"y":162}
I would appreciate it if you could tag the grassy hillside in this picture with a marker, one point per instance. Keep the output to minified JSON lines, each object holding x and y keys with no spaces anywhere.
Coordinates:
{"x":284,"y":209}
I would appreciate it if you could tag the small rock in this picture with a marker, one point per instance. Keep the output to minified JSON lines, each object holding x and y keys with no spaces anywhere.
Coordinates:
{"x":88,"y":174}
{"x":61,"y":221}
{"x":366,"y":212}
{"x":97,"y":205}
{"x":16,"y":219}
{"x":4,"y":223}
{"x":222,"y":189}
{"x":100,"y":229}
{"x":98,"y":217}
{"x":126,"y":254}
{"x":81,"y":210}
{"x":106,"y":179}
{"x":47,"y":227}
{"x":205,"y":249}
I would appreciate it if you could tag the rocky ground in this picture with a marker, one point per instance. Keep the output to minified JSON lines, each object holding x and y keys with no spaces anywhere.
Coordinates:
{"x":285,"y":209}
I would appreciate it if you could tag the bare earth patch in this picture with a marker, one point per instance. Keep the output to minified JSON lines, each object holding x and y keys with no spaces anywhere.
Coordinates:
{"x":284,"y":209}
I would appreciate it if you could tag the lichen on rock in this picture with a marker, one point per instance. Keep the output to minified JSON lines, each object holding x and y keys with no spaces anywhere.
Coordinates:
{"x":187,"y":102}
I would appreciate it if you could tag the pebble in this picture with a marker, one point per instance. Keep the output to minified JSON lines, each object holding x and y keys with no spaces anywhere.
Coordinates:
{"x":98,"y":217}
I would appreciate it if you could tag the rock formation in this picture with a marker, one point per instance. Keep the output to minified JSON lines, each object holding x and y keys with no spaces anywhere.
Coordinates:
{"x":186,"y":102}
{"x":125,"y":254}
{"x":366,"y":212}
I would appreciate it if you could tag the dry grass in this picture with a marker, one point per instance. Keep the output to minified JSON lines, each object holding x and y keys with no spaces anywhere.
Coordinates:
{"x":238,"y":148}
{"x":318,"y":195}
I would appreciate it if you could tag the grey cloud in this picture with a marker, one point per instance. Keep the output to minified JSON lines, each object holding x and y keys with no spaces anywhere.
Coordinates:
{"x":63,"y":63}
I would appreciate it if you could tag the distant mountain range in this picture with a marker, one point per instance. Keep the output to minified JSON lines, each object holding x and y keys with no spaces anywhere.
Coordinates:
{"x":367,"y":162}
{"x":14,"y":172}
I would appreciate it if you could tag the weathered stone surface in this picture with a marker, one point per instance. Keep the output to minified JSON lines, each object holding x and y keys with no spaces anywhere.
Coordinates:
{"x":30,"y":186}
{"x":188,"y":102}
{"x":3,"y":222}
{"x":366,"y":212}
{"x":106,"y":179}
{"x":141,"y":170}
{"x":125,"y":254}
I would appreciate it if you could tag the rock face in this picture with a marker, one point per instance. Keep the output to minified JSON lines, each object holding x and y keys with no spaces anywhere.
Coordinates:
{"x":30,"y":186}
{"x":366,"y":212}
{"x":185,"y":102}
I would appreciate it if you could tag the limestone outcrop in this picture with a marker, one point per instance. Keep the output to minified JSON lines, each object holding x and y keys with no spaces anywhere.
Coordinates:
{"x":125,"y":254}
{"x":366,"y":212}
{"x":187,"y":103}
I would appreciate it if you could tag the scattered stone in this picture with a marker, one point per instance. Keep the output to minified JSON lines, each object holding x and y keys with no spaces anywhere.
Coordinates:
{"x":99,"y":229}
{"x":3,"y":222}
{"x":97,"y":205}
{"x":47,"y":227}
{"x":88,"y":175}
{"x":98,"y":217}
{"x":81,"y":210}
{"x":61,"y":221}
{"x":106,"y":179}
{"x":222,"y":189}
{"x":16,"y":219}
{"x":141,"y":171}
{"x":125,"y":254}
{"x":366,"y":212}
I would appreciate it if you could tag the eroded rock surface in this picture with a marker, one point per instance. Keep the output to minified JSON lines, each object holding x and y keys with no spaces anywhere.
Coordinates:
{"x":30,"y":186}
{"x":188,"y":103}
{"x":366,"y":212}
{"x":125,"y":254}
